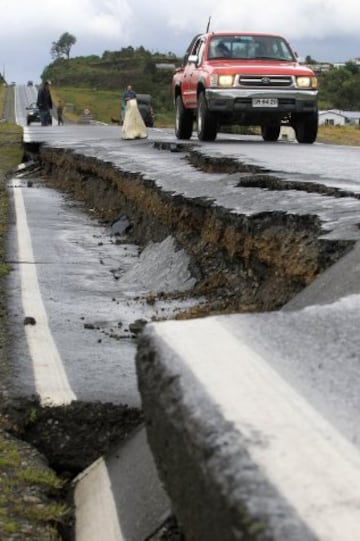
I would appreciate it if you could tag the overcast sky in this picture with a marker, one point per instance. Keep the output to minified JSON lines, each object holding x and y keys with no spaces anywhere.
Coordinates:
{"x":328,"y":30}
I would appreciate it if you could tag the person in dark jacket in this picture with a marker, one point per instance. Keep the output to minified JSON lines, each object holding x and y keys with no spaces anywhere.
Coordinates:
{"x":45,"y":104}
{"x":129,"y":94}
{"x":60,"y":111}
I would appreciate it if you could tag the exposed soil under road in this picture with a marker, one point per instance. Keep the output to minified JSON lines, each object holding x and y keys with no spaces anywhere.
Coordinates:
{"x":241,"y":264}
{"x":71,"y":436}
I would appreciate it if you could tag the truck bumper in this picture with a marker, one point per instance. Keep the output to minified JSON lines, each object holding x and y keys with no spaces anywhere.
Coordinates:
{"x":235,"y":101}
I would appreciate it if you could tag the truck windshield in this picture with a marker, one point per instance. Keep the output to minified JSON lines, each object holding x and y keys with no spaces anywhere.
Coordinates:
{"x":248,"y":47}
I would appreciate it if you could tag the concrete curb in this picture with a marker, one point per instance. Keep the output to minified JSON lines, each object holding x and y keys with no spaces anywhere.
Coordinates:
{"x":244,"y":454}
{"x":119,"y":497}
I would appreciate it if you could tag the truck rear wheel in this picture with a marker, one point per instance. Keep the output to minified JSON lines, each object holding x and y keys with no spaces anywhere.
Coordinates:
{"x":206,"y":121}
{"x":306,"y":127}
{"x":270,"y":133}
{"x":183,"y":120}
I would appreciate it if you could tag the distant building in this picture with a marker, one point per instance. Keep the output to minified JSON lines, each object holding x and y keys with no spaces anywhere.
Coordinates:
{"x":336,"y":117}
{"x":355,"y":61}
{"x":353,"y":117}
{"x":165,"y":66}
{"x":321,"y":67}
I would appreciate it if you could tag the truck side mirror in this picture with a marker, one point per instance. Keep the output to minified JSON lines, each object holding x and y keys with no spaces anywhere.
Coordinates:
{"x":193,"y":59}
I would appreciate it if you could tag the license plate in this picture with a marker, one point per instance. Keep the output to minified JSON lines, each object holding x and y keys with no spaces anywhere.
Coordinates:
{"x":264,"y":102}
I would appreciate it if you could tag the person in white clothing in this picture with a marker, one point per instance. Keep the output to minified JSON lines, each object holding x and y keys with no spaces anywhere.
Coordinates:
{"x":133,"y":126}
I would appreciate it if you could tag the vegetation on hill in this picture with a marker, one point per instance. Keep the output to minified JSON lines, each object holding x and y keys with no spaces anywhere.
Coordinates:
{"x":340,"y":88}
{"x":113,"y":71}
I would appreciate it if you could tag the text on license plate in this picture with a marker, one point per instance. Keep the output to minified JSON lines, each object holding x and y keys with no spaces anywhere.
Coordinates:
{"x":264,"y":102}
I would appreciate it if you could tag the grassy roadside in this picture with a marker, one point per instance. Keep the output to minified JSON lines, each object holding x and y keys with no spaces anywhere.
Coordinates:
{"x":103,"y":104}
{"x":10,"y":156}
{"x":29,"y":509}
{"x":339,"y":135}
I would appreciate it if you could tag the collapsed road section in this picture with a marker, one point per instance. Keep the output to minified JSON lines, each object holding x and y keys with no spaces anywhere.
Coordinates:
{"x":243,"y":262}
{"x":232,"y":440}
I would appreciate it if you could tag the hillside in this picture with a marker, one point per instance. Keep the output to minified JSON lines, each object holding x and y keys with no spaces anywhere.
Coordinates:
{"x":113,"y":71}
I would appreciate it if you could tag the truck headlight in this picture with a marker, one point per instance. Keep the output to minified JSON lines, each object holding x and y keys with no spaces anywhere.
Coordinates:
{"x":226,"y":80}
{"x":221,"y":80}
{"x":306,"y":82}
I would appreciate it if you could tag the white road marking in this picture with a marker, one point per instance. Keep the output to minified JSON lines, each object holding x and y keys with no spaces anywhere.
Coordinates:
{"x":51,"y":381}
{"x":96,"y":514}
{"x":312,"y":465}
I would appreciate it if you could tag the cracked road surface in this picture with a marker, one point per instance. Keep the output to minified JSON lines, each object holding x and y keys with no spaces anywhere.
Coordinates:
{"x":84,"y":288}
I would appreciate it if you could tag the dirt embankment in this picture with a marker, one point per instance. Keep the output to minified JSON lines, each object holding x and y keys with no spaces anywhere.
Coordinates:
{"x":242,"y":263}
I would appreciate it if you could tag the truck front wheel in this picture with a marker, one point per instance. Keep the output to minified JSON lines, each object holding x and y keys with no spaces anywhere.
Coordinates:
{"x":306,"y":127}
{"x":183,"y":120}
{"x":206,"y":121}
{"x":270,"y":133}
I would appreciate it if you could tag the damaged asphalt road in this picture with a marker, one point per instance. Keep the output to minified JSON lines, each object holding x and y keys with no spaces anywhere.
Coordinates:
{"x":249,"y":240}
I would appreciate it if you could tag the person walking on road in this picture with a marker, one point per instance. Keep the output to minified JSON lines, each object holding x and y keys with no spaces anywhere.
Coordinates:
{"x":45,"y":104}
{"x":60,"y":111}
{"x":129,"y":94}
{"x":133,"y":125}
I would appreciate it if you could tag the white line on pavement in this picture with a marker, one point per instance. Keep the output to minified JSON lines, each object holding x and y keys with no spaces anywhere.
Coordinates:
{"x":51,"y":381}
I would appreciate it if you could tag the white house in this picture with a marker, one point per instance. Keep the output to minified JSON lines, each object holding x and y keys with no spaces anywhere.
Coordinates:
{"x":353,"y":117}
{"x":336,"y":117}
{"x":165,"y":66}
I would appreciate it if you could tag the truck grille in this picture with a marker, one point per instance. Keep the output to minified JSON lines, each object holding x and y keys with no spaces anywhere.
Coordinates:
{"x":265,"y":81}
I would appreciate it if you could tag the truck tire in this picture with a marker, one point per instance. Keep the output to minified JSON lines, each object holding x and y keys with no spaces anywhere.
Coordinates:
{"x":270,"y":133}
{"x":183,"y":120}
{"x":206,"y":121}
{"x":306,"y":127}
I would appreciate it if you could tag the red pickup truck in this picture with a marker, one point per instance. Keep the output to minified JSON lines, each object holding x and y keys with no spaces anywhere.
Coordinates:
{"x":244,"y":79}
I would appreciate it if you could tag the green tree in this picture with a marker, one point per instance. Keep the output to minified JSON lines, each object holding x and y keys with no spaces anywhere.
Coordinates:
{"x":62,"y":47}
{"x":309,"y":60}
{"x":353,"y":68}
{"x":340,"y":88}
{"x":55,"y":51}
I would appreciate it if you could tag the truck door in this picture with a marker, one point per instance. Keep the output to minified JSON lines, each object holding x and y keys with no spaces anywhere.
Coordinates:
{"x":191,"y":75}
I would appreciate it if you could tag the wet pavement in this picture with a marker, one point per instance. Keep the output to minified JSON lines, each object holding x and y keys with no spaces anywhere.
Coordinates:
{"x":93,"y":285}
